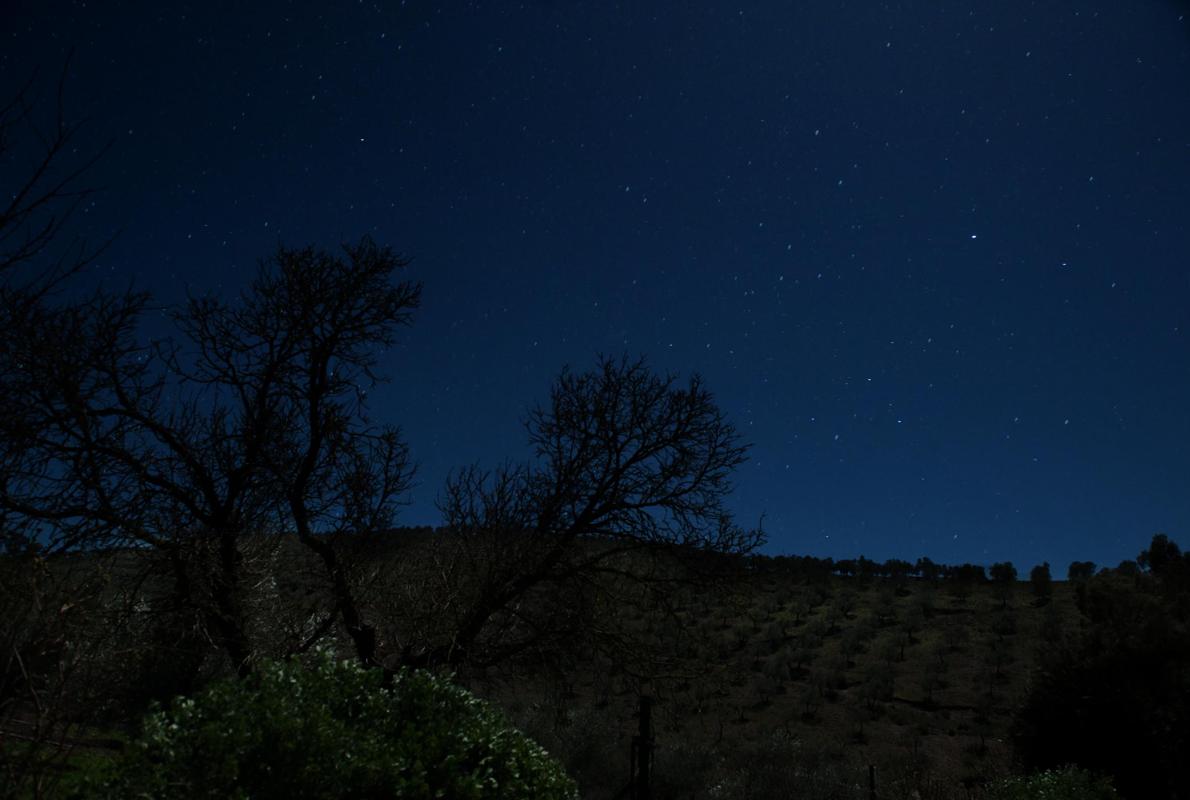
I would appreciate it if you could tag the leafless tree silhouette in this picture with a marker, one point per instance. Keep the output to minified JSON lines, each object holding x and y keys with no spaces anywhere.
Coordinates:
{"x":45,"y":181}
{"x":628,"y":464}
{"x":252,"y":424}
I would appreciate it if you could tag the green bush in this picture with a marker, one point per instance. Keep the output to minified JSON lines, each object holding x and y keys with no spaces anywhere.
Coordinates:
{"x":1068,"y":783}
{"x":330,"y":730}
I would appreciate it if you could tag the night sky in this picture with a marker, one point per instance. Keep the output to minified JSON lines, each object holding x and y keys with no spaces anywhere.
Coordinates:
{"x":931,"y":257}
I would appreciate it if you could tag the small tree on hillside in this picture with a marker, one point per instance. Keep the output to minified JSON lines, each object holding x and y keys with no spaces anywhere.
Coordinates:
{"x":846,"y":602}
{"x":898,"y":570}
{"x":1004,"y":576}
{"x":885,"y":606}
{"x":930,"y":679}
{"x":963,"y":579}
{"x":1042,"y":583}
{"x":927,"y":569}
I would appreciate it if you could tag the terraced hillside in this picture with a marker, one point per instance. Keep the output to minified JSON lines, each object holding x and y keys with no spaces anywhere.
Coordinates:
{"x":799,"y":684}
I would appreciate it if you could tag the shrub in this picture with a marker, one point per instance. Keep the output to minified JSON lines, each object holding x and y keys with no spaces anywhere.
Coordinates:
{"x":330,"y":730}
{"x":1068,"y":783}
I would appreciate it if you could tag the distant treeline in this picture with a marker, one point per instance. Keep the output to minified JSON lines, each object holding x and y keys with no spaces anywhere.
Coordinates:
{"x":1161,"y":553}
{"x":926,"y":568}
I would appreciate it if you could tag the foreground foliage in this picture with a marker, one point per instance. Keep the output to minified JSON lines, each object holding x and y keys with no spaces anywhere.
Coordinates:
{"x":1068,"y":783}
{"x":330,"y":730}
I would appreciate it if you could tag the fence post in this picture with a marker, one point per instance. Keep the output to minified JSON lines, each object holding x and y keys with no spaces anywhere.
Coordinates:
{"x":871,"y":782}
{"x":642,"y":753}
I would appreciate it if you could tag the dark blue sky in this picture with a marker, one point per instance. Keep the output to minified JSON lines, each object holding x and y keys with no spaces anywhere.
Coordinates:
{"x":931,"y":257}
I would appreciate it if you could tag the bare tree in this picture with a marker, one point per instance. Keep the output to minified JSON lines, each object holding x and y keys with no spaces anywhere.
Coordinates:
{"x":205,"y":449}
{"x":629,"y":465}
{"x":1004,"y":576}
{"x":43,"y":181}
{"x":47,"y":184}
{"x":53,"y":617}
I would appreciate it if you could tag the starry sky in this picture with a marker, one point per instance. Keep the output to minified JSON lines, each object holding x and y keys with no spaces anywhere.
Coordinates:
{"x":931,"y":257}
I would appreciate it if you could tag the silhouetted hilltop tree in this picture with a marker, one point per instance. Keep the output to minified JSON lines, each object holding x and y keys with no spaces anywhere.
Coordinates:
{"x":1080,"y":570}
{"x":1041,"y":582}
{"x":928,"y":570}
{"x":1165,"y":559}
{"x":1128,"y":567}
{"x":897,"y":569}
{"x":1003,"y":574}
{"x":1159,"y":555}
{"x":967,"y":573}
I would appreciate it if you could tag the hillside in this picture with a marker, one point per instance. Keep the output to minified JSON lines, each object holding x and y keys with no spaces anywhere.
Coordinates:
{"x":793,"y":684}
{"x":768,"y":677}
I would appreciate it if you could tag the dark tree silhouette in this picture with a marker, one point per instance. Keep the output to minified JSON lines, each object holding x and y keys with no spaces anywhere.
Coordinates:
{"x":43,"y":181}
{"x":1161,"y":557}
{"x":37,"y":252}
{"x":629,"y":465}
{"x":1080,"y":570}
{"x":968,"y":573}
{"x":204,"y":450}
{"x":52,"y":620}
{"x":927,"y":569}
{"x":1042,"y":582}
{"x":1003,"y":574}
{"x":898,"y":569}
{"x":1128,"y":567}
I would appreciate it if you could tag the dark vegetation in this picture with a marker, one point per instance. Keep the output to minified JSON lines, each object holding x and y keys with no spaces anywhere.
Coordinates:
{"x":197,"y":515}
{"x":804,"y":676}
{"x":328,"y":729}
{"x":771,"y":676}
{"x":1118,"y":695}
